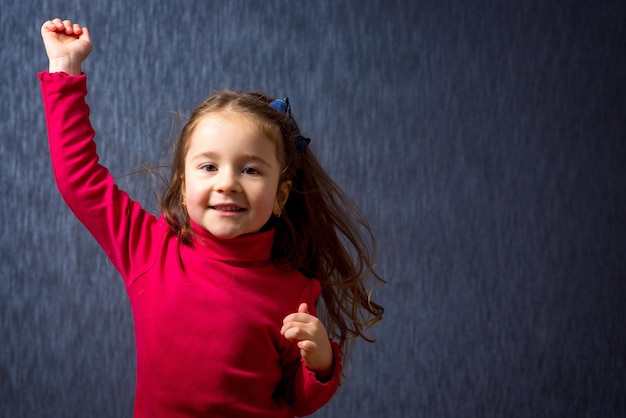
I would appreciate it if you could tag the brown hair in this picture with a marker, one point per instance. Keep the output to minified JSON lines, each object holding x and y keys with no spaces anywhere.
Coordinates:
{"x":320,"y":232}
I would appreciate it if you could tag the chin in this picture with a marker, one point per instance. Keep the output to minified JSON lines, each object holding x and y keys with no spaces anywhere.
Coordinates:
{"x":225,"y":234}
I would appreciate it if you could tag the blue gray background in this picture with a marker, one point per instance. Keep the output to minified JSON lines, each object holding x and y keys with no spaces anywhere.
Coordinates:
{"x":484,"y":140}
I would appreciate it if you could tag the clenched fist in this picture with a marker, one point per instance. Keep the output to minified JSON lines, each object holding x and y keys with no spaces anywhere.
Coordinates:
{"x":67,"y":45}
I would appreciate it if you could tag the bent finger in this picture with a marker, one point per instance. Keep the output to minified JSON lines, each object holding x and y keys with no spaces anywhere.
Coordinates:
{"x":307,"y":345}
{"x":52,"y":25}
{"x":85,"y":34}
{"x":296,"y":334}
{"x":68,"y":26}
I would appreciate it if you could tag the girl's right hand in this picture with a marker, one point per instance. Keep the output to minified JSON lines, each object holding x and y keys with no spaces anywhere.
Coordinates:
{"x":67,"y":45}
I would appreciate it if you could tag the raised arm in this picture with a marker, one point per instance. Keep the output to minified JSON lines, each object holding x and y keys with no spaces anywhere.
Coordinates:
{"x":120,"y":225}
{"x":67,"y":45}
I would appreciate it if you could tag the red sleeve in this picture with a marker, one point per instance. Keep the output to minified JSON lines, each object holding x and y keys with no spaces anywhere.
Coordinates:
{"x":304,"y":391}
{"x":119,"y":224}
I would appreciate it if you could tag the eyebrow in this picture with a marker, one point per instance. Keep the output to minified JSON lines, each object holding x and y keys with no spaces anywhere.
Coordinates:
{"x":242,"y":157}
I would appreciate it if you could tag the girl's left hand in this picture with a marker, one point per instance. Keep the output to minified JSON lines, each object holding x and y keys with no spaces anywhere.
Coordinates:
{"x":312,"y":340}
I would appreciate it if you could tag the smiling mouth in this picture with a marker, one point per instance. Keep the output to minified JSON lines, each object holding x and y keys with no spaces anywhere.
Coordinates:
{"x":227,"y":208}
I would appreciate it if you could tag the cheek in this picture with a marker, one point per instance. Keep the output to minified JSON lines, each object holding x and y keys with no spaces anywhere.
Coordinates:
{"x":265,"y":199}
{"x":192,"y":193}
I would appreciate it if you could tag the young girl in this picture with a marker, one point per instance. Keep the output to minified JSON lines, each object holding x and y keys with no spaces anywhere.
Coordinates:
{"x":225,"y":285}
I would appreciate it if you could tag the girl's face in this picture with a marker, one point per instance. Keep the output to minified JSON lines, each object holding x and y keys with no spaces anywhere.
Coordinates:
{"x":231,"y":181}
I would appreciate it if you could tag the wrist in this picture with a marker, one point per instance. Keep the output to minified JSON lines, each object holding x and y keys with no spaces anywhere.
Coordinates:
{"x":66,"y":65}
{"x":325,"y":374}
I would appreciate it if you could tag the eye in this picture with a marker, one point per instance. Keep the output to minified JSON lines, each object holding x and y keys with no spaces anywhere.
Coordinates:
{"x":208,"y":167}
{"x":251,"y":171}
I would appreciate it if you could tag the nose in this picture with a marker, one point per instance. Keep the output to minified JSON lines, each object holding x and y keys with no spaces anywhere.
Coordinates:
{"x":227,"y":181}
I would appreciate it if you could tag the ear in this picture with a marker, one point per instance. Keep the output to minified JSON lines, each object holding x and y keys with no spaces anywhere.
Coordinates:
{"x":281,"y":196}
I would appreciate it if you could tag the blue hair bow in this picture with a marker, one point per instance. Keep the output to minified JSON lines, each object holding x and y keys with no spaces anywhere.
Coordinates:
{"x":284,"y":107}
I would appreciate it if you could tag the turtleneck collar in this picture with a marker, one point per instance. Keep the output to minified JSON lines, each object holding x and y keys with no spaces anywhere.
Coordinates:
{"x":245,"y":248}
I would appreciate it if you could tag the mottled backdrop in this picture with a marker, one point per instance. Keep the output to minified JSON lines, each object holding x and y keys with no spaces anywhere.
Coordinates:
{"x":485,"y":140}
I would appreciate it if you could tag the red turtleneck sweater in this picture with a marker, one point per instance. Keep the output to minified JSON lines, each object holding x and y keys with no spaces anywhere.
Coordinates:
{"x":207,"y":316}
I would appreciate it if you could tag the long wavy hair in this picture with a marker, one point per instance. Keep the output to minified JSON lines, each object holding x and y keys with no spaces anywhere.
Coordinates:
{"x":320,"y":232}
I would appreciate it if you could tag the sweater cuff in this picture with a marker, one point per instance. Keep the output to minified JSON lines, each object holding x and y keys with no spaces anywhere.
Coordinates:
{"x":47,"y":75}
{"x":334,"y":378}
